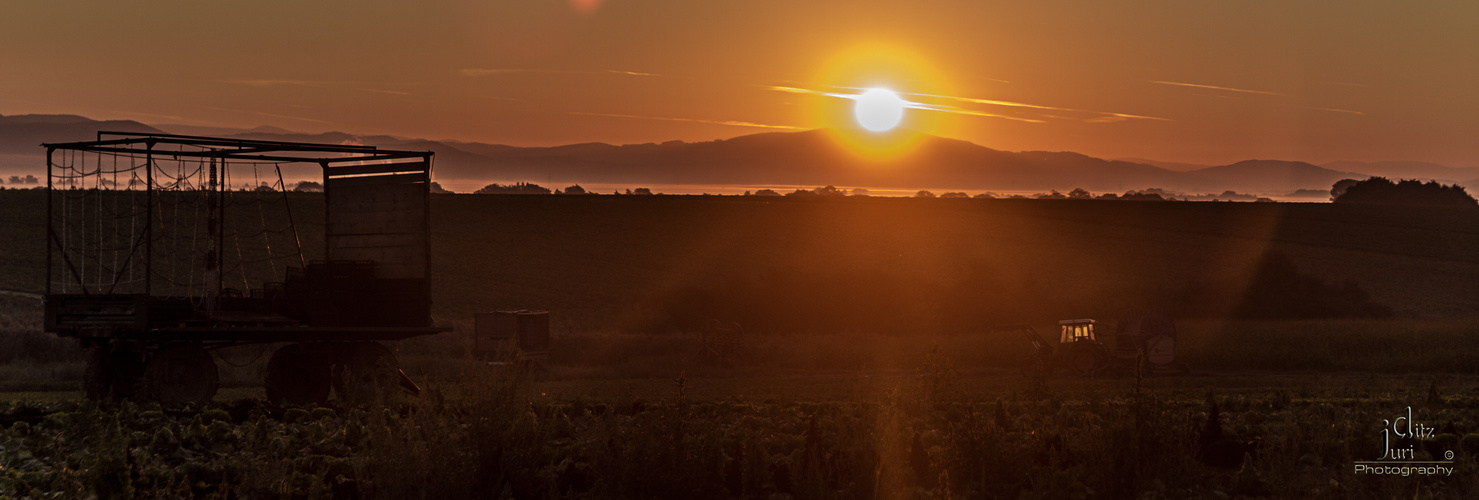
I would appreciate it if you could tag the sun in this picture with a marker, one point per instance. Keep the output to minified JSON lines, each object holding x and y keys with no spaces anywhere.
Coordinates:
{"x":864,"y":96}
{"x":879,"y":110}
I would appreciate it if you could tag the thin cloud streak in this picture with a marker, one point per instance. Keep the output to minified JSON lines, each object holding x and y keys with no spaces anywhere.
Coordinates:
{"x":479,"y":72}
{"x":1214,"y":87}
{"x":630,"y":73}
{"x":993,"y":102}
{"x":908,"y":104}
{"x":1338,"y":110}
{"x":271,"y":115}
{"x":309,"y":84}
{"x":1107,"y":118}
{"x":731,"y":123}
{"x":476,"y":72}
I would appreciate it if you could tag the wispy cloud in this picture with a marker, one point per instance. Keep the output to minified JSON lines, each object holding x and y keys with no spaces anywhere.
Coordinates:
{"x":630,"y":73}
{"x":1120,"y":117}
{"x":380,"y":91}
{"x":993,"y":102}
{"x":732,"y":123}
{"x":1215,"y":87}
{"x":1104,"y":117}
{"x":478,"y":72}
{"x":1338,"y":110}
{"x":475,"y":72}
{"x":271,"y":115}
{"x":262,"y":82}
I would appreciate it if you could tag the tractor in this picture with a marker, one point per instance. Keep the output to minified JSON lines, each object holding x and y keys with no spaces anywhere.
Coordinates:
{"x":1081,"y":350}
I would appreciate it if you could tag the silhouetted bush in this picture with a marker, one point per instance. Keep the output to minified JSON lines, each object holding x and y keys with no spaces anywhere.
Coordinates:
{"x":1279,"y":291}
{"x":1382,"y":191}
{"x":309,"y":187}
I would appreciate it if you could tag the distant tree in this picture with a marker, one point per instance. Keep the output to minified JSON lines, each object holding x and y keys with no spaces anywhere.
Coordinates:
{"x":1340,"y":187}
{"x":986,"y":195}
{"x":801,"y":192}
{"x":519,"y":188}
{"x":767,"y":192}
{"x":265,"y":188}
{"x":436,"y":188}
{"x":575,"y":189}
{"x":924,"y":194}
{"x":1263,"y":200}
{"x":829,"y":190}
{"x":1146,"y":195}
{"x":860,"y":192}
{"x":1108,"y":196}
{"x":311,"y":187}
{"x":955,"y":194}
{"x":15,"y":179}
{"x":1055,"y":195}
{"x":642,"y":192}
{"x":1382,"y":191}
{"x":1079,"y":194}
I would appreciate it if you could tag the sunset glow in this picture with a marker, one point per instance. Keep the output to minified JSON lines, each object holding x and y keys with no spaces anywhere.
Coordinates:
{"x":1196,"y":82}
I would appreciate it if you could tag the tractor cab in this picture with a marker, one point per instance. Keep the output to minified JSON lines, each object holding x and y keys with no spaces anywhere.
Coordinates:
{"x":1076,"y":330}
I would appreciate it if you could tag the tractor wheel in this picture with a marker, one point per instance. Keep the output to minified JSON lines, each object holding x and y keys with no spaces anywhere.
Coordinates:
{"x":367,"y":372}
{"x":1086,"y":359}
{"x":298,"y":374}
{"x":182,"y":373}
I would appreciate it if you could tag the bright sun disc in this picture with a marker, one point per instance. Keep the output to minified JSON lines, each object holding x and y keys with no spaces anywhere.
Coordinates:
{"x":879,"y":110}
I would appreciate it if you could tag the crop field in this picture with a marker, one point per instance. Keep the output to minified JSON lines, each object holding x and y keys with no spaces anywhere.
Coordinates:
{"x":868,"y":371}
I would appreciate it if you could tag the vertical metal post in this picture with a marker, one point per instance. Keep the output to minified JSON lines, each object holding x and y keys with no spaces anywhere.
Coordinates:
{"x":50,"y":222}
{"x":426,"y":243}
{"x":149,"y":224}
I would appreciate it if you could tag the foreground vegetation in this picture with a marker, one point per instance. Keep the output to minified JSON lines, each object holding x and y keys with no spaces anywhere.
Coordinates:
{"x":927,"y":436}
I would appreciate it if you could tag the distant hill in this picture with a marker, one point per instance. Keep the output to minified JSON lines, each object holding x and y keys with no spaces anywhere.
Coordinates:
{"x":1168,"y":165}
{"x":1465,"y":176}
{"x":1258,"y":175}
{"x":790,"y":158}
{"x":23,"y":134}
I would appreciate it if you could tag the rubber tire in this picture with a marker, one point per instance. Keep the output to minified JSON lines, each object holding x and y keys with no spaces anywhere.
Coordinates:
{"x":182,"y":373}
{"x":1086,"y":359}
{"x":298,"y":374}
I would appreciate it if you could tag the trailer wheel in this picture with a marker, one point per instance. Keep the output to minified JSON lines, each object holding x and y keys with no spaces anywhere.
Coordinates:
{"x":113,"y":370}
{"x":367,"y":372}
{"x":182,"y":373}
{"x":298,"y":374}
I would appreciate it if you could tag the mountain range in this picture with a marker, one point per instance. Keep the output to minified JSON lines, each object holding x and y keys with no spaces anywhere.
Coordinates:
{"x":808,"y":158}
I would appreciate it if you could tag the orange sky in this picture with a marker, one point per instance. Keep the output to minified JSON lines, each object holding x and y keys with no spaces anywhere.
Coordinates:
{"x":1205,"y":82}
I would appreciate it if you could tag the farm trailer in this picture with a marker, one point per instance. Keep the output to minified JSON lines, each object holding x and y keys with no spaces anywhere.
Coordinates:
{"x":157,"y":254}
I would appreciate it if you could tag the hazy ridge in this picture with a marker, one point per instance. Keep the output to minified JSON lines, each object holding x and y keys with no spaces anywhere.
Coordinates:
{"x":792,"y":158}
